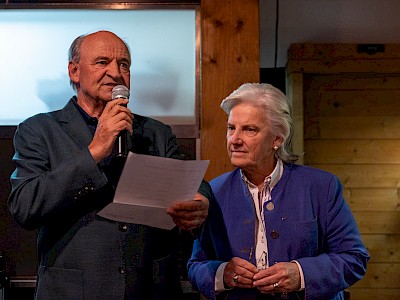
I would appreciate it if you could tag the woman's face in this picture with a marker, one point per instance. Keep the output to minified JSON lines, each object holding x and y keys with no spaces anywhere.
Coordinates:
{"x":249,"y":140}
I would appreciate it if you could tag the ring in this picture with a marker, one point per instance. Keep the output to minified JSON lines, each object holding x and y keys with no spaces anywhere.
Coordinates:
{"x":235,"y":278}
{"x":276,"y":285}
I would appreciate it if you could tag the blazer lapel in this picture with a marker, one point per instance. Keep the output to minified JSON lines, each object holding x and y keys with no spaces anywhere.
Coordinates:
{"x":73,"y":123}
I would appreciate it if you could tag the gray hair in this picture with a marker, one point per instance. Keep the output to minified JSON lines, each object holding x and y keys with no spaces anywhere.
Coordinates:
{"x":277,"y":112}
{"x":74,"y":53}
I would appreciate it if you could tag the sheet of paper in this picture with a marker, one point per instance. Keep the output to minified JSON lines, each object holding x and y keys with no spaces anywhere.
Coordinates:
{"x":150,"y":184}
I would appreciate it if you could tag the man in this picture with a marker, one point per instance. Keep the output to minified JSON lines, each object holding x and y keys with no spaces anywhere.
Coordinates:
{"x":66,"y":171}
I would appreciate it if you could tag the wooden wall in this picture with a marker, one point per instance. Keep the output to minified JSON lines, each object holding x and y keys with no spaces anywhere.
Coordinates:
{"x":229,"y":57}
{"x":347,"y":105}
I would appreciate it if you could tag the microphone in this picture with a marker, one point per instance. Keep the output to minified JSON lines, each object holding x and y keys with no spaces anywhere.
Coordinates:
{"x":121,"y":91}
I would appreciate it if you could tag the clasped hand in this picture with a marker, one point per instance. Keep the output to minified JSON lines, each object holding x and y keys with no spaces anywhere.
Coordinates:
{"x":280,"y":277}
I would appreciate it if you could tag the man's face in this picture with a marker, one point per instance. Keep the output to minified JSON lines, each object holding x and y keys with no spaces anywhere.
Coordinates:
{"x":249,"y":141}
{"x":104,"y":63}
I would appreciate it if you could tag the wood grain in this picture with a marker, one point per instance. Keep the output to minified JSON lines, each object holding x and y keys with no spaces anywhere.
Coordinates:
{"x":230,"y":57}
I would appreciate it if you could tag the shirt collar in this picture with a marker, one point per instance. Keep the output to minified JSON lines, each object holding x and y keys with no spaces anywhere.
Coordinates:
{"x":88,"y":119}
{"x":273,"y":177}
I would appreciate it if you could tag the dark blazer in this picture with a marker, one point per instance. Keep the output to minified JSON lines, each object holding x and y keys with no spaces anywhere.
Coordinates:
{"x":58,"y":188}
{"x":309,"y":222}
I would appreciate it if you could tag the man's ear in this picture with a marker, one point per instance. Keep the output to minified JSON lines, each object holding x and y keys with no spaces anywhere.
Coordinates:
{"x":73,"y":72}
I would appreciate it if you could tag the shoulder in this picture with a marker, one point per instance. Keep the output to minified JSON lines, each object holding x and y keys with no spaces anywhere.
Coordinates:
{"x":224,"y":180}
{"x":43,"y":119}
{"x":307,"y":170}
{"x":307,"y":175}
{"x":148,"y":122}
{"x":39,"y":120}
{"x":151,"y":129}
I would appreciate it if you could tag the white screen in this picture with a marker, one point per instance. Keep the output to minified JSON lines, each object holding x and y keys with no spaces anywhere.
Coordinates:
{"x":34,"y":58}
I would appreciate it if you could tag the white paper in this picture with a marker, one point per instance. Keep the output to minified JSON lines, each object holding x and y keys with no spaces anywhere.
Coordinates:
{"x":149,"y":185}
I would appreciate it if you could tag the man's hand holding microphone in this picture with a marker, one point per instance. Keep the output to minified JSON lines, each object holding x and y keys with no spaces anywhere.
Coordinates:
{"x":115,"y":122}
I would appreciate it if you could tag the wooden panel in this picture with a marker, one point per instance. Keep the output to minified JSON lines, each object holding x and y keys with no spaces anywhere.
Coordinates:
{"x":378,"y":223}
{"x":353,"y":81}
{"x":359,"y":176}
{"x":359,"y":103}
{"x":341,"y":58}
{"x":320,"y":52}
{"x":378,"y":294}
{"x":383,"y":248}
{"x":352,"y":95}
{"x":366,"y":151}
{"x":389,"y":65}
{"x":338,"y":127}
{"x":295,"y":91}
{"x":230,"y":57}
{"x":380,"y":276}
{"x":372,"y":199}
{"x":352,"y":129}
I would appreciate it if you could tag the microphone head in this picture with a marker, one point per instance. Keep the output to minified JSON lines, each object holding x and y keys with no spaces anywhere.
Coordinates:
{"x":120,"y":91}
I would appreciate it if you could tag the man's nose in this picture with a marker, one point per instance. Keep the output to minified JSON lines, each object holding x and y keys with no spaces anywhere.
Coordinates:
{"x":113,"y":69}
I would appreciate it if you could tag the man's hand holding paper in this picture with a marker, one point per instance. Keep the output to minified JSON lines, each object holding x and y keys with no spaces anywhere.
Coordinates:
{"x":158,"y":192}
{"x":189,"y":214}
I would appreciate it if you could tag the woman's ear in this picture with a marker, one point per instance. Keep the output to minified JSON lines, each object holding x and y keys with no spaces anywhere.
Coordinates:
{"x":278,"y":142}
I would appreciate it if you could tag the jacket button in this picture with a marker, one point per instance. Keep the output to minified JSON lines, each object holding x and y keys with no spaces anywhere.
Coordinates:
{"x":121,"y":270}
{"x":123,"y":227}
{"x":270,"y":206}
{"x":274,"y":234}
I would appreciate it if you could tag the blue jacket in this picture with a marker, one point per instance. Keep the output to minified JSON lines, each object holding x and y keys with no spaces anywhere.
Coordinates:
{"x":310,"y":223}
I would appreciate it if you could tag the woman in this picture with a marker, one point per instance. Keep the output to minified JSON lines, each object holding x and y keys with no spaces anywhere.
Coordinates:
{"x":275,"y":230}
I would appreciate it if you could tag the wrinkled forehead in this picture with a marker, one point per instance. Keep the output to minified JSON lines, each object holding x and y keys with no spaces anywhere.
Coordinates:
{"x":105,"y":44}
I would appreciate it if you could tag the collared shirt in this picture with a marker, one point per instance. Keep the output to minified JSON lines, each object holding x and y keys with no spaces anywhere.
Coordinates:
{"x":260,"y":198}
{"x":91,"y":122}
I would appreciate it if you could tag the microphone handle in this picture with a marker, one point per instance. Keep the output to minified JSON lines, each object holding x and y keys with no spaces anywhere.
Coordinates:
{"x":123,"y":144}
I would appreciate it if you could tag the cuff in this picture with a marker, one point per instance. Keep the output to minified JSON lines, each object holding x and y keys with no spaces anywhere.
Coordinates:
{"x":302,"y":283}
{"x":219,"y":278}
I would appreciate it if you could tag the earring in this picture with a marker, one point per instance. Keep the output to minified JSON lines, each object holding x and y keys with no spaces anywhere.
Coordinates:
{"x":276,"y":148}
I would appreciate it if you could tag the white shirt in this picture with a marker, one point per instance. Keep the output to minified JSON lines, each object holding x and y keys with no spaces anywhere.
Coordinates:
{"x":260,"y":198}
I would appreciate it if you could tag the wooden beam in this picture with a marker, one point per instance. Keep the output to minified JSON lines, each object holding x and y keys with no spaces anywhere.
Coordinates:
{"x":229,"y":57}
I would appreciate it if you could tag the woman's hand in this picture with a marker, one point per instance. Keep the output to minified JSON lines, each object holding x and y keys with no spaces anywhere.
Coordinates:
{"x":239,"y":273}
{"x":281,"y":277}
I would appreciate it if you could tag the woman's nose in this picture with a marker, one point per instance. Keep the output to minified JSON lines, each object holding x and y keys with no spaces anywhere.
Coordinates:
{"x":235,"y":137}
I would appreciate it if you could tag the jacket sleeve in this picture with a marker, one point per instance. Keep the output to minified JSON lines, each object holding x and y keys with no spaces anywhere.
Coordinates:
{"x":344,"y":258}
{"x":44,"y":187}
{"x":202,"y":271}
{"x":203,"y":263}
